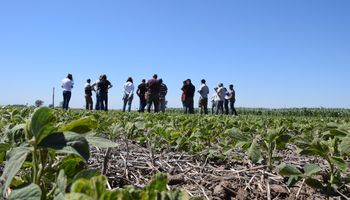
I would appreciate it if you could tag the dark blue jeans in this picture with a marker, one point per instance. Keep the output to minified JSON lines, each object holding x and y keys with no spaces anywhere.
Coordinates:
{"x":226,"y":102}
{"x":220,"y":107}
{"x":127,"y":101}
{"x":232,"y":108}
{"x":97,"y":106}
{"x":143,"y":104}
{"x":66,"y":98}
{"x":103,"y":101}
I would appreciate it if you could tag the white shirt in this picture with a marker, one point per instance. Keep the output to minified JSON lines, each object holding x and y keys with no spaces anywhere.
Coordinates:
{"x":95,"y":85}
{"x":87,"y":85}
{"x":215,"y":98}
{"x":221,"y":93}
{"x":204,"y":91}
{"x":227,"y":95}
{"x":129,"y":88}
{"x":67,"y":84}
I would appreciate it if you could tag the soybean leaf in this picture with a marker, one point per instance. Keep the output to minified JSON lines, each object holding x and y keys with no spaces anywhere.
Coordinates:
{"x":311,"y":169}
{"x":4,"y":147}
{"x":238,"y":135}
{"x":61,"y":182}
{"x":315,"y":148}
{"x":16,"y":156}
{"x":289,"y":170}
{"x":99,"y":185}
{"x":282,"y":140}
{"x":140,"y":125}
{"x":71,"y":165}
{"x":30,"y":192}
{"x":117,"y":194}
{"x":77,"y":196}
{"x":344,"y":146}
{"x":94,"y":187}
{"x":254,"y":152}
{"x":68,"y":142}
{"x":293,"y":180}
{"x":338,"y":132}
{"x":41,"y":123}
{"x":157,"y":185}
{"x":82,"y":186}
{"x":100,"y":142}
{"x":339,"y":163}
{"x":82,"y":125}
{"x":314,"y":183}
{"x":178,"y":194}
{"x":86,"y":174}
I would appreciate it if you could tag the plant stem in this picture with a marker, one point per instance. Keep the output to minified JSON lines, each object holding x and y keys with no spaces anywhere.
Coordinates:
{"x":35,"y":166}
{"x":41,"y":167}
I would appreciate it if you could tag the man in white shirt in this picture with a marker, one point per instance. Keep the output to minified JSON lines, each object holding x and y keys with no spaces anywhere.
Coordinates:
{"x":203,"y":99}
{"x":67,"y":85}
{"x":221,"y":94}
{"x":94,"y":88}
{"x":128,"y":94}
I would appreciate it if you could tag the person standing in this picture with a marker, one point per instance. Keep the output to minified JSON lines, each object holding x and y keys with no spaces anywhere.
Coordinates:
{"x":226,"y":102}
{"x":141,"y":92}
{"x":102,"y":90}
{"x":203,"y":99}
{"x":152,"y":94}
{"x":128,"y":94}
{"x":94,"y":88}
{"x":67,"y":85}
{"x":189,"y":90}
{"x":221,"y":96}
{"x":232,"y":100}
{"x":88,"y":95}
{"x":183,"y":97}
{"x":214,"y":101}
{"x":163,"y":90}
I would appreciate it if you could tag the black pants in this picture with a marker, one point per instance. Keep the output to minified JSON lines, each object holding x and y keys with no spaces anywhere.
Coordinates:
{"x":189,"y":106}
{"x":89,"y":103}
{"x":153,"y":99}
{"x":232,"y":108}
{"x":203,"y":104}
{"x":226,"y":102}
{"x":66,"y":98}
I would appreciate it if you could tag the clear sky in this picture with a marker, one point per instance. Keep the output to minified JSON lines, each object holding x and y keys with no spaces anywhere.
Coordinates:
{"x":277,"y":53}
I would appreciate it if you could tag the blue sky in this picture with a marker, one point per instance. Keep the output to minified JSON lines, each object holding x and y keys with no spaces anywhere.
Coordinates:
{"x":278,"y":53}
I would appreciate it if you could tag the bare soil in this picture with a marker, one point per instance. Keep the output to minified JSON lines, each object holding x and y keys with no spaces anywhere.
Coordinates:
{"x":135,"y":164}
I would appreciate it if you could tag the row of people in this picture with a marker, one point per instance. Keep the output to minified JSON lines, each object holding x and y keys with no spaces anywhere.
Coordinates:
{"x":102,"y":86}
{"x":223,"y":100}
{"x":153,"y":94}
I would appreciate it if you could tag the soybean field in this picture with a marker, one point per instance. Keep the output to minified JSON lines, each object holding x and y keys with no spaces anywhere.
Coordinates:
{"x":95,"y":155}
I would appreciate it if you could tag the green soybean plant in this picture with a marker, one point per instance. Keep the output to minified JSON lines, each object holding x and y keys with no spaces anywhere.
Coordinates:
{"x":95,"y":189}
{"x":45,"y":147}
{"x":261,"y":148}
{"x":333,"y":146}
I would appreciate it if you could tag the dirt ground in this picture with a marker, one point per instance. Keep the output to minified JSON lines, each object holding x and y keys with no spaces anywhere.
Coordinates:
{"x":134,"y":164}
